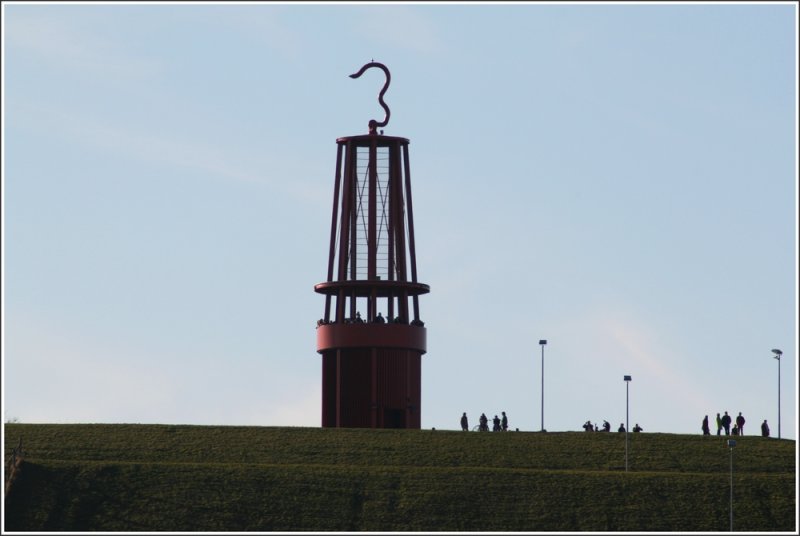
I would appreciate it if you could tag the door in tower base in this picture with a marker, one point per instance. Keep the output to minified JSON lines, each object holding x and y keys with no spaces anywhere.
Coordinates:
{"x":394,"y":418}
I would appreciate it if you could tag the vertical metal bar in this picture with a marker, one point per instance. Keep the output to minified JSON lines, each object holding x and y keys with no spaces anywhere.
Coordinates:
{"x":354,"y":229}
{"x":400,"y":234}
{"x":779,"y":398}
{"x":627,"y":384}
{"x":542,"y":387}
{"x":325,"y":391}
{"x":334,"y":218}
{"x":731,"y":489}
{"x":411,"y":242}
{"x":346,"y":217}
{"x":391,"y":188}
{"x":344,"y":227}
{"x":407,"y":388}
{"x":411,"y":247}
{"x":327,"y":315}
{"x":338,"y":388}
{"x":374,"y":394}
{"x":372,"y":216}
{"x":399,"y":221}
{"x":335,"y":211}
{"x":340,"y":298}
{"x":354,"y":219}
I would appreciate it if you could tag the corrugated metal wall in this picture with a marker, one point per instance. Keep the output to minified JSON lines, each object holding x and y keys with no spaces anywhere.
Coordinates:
{"x":329,"y":389}
{"x":371,"y":388}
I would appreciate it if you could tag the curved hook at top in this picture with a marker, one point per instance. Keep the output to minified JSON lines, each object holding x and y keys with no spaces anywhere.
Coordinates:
{"x":372,"y":123}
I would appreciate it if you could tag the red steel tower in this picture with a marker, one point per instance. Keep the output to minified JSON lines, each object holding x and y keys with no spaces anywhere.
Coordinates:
{"x":370,"y":339}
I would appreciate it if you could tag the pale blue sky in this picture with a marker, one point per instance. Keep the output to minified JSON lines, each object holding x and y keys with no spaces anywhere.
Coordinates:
{"x":618,"y":179}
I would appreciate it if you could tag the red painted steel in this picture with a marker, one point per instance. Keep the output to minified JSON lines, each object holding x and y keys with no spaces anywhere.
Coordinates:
{"x":336,"y":336}
{"x":371,"y":388}
{"x":371,"y":364}
{"x":365,"y":288}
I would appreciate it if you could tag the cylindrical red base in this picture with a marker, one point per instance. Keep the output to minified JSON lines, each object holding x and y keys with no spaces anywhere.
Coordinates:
{"x":371,"y":388}
{"x":363,"y":335}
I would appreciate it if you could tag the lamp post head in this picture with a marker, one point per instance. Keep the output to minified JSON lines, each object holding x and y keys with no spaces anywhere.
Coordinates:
{"x":542,"y":341}
{"x":627,"y":378}
{"x":777,"y":353}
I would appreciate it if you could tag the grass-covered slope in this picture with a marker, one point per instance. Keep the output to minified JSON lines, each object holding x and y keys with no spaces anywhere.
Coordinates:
{"x":216,"y":478}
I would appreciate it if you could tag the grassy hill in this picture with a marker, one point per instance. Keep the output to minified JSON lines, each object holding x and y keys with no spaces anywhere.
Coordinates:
{"x":226,"y":478}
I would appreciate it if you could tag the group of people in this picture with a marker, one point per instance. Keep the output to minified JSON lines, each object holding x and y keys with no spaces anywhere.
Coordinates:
{"x":379,"y":319}
{"x":589,"y":427}
{"x":724,"y":423}
{"x":498,"y":424}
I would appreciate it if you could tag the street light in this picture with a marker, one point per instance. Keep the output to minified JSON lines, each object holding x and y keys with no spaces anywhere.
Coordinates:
{"x":627,"y":424}
{"x":543,"y":342}
{"x":731,"y":444}
{"x":777,"y":356}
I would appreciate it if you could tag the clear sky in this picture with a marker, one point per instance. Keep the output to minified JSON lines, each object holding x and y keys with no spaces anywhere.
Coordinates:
{"x":618,"y":179}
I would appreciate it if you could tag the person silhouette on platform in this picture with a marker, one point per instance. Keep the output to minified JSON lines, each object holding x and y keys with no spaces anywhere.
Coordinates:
{"x":496,"y":424}
{"x":764,"y":429}
{"x":606,"y":426}
{"x":504,"y":422}
{"x":621,"y":427}
{"x":464,"y":422}
{"x":719,"y":424}
{"x":484,"y":423}
{"x":740,"y":423}
{"x":637,"y":428}
{"x":726,"y":423}
{"x":706,"y":431}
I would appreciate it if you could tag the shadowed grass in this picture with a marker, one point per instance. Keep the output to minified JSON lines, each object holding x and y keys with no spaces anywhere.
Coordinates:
{"x":216,"y":478}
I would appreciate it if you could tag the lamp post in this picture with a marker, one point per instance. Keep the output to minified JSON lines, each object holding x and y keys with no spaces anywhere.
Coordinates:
{"x":777,"y":356}
{"x":627,"y":424}
{"x":731,"y":444}
{"x":542,"y":343}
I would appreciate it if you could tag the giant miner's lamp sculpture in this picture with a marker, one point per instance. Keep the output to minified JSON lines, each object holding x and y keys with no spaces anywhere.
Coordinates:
{"x":371,"y":337}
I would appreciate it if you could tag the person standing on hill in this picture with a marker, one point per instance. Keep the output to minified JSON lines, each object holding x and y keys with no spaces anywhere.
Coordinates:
{"x":726,"y":423}
{"x":504,"y":422}
{"x":621,"y":427}
{"x":719,"y":424}
{"x":764,"y":429}
{"x":637,"y":428}
{"x":706,"y":431}
{"x":496,"y":424}
{"x":464,"y":422}
{"x":740,"y":423}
